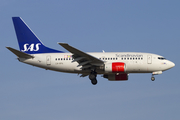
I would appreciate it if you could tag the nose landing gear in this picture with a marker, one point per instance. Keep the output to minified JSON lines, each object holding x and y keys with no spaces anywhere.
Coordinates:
{"x":152,"y":78}
{"x":155,"y":73}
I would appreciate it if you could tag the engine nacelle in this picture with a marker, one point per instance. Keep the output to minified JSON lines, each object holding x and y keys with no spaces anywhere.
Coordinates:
{"x":116,"y":77}
{"x":115,"y":67}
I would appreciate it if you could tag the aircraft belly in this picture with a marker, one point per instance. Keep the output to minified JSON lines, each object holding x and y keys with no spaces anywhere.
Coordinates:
{"x":154,"y":67}
{"x":135,"y":67}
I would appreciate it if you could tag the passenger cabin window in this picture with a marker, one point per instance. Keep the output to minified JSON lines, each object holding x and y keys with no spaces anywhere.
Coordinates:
{"x":131,"y":58}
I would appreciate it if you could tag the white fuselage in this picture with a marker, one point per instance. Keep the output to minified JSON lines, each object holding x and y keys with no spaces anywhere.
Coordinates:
{"x":115,"y":66}
{"x":135,"y":62}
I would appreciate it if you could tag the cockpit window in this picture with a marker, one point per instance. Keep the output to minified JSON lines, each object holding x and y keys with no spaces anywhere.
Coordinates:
{"x":161,"y":58}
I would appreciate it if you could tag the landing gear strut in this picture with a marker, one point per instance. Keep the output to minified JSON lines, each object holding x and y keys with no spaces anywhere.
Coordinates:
{"x":155,"y":73}
{"x":92,"y":77}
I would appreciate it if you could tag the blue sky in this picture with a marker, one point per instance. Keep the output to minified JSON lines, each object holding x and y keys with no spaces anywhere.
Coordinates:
{"x":27,"y":92}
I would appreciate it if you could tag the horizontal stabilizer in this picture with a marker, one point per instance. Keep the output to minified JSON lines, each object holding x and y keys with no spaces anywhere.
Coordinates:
{"x":19,"y":53}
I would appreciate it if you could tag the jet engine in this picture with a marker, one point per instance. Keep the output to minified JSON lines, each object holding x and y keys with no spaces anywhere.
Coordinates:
{"x":115,"y":67}
{"x":116,"y":77}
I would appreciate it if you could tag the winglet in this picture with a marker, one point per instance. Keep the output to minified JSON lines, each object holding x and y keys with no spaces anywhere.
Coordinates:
{"x":19,"y":53}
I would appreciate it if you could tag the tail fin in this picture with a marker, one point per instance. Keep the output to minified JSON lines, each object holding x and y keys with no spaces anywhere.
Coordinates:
{"x":28,"y":41}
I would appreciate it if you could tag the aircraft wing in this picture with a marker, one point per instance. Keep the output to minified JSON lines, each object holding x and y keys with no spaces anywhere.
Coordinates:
{"x":85,"y":60}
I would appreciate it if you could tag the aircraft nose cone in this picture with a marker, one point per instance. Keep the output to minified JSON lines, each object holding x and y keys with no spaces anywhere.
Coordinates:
{"x":171,"y":64}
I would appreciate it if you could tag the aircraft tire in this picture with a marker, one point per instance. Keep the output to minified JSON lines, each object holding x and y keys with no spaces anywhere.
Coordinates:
{"x":94,"y":81}
{"x":92,"y":76}
{"x":152,"y":78}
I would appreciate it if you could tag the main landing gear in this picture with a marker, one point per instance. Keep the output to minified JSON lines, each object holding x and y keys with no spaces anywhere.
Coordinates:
{"x":92,"y":77}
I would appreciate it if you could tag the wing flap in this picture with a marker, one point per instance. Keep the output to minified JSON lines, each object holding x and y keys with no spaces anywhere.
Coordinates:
{"x":84,"y":63}
{"x":78,"y":59}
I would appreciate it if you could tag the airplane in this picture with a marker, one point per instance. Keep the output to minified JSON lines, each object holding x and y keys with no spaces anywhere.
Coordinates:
{"x":115,"y":66}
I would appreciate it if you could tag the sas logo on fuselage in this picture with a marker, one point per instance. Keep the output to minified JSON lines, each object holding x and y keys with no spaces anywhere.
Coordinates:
{"x":31,"y":47}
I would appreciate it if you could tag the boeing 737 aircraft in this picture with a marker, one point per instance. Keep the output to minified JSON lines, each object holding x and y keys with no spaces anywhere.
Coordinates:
{"x":115,"y":66}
